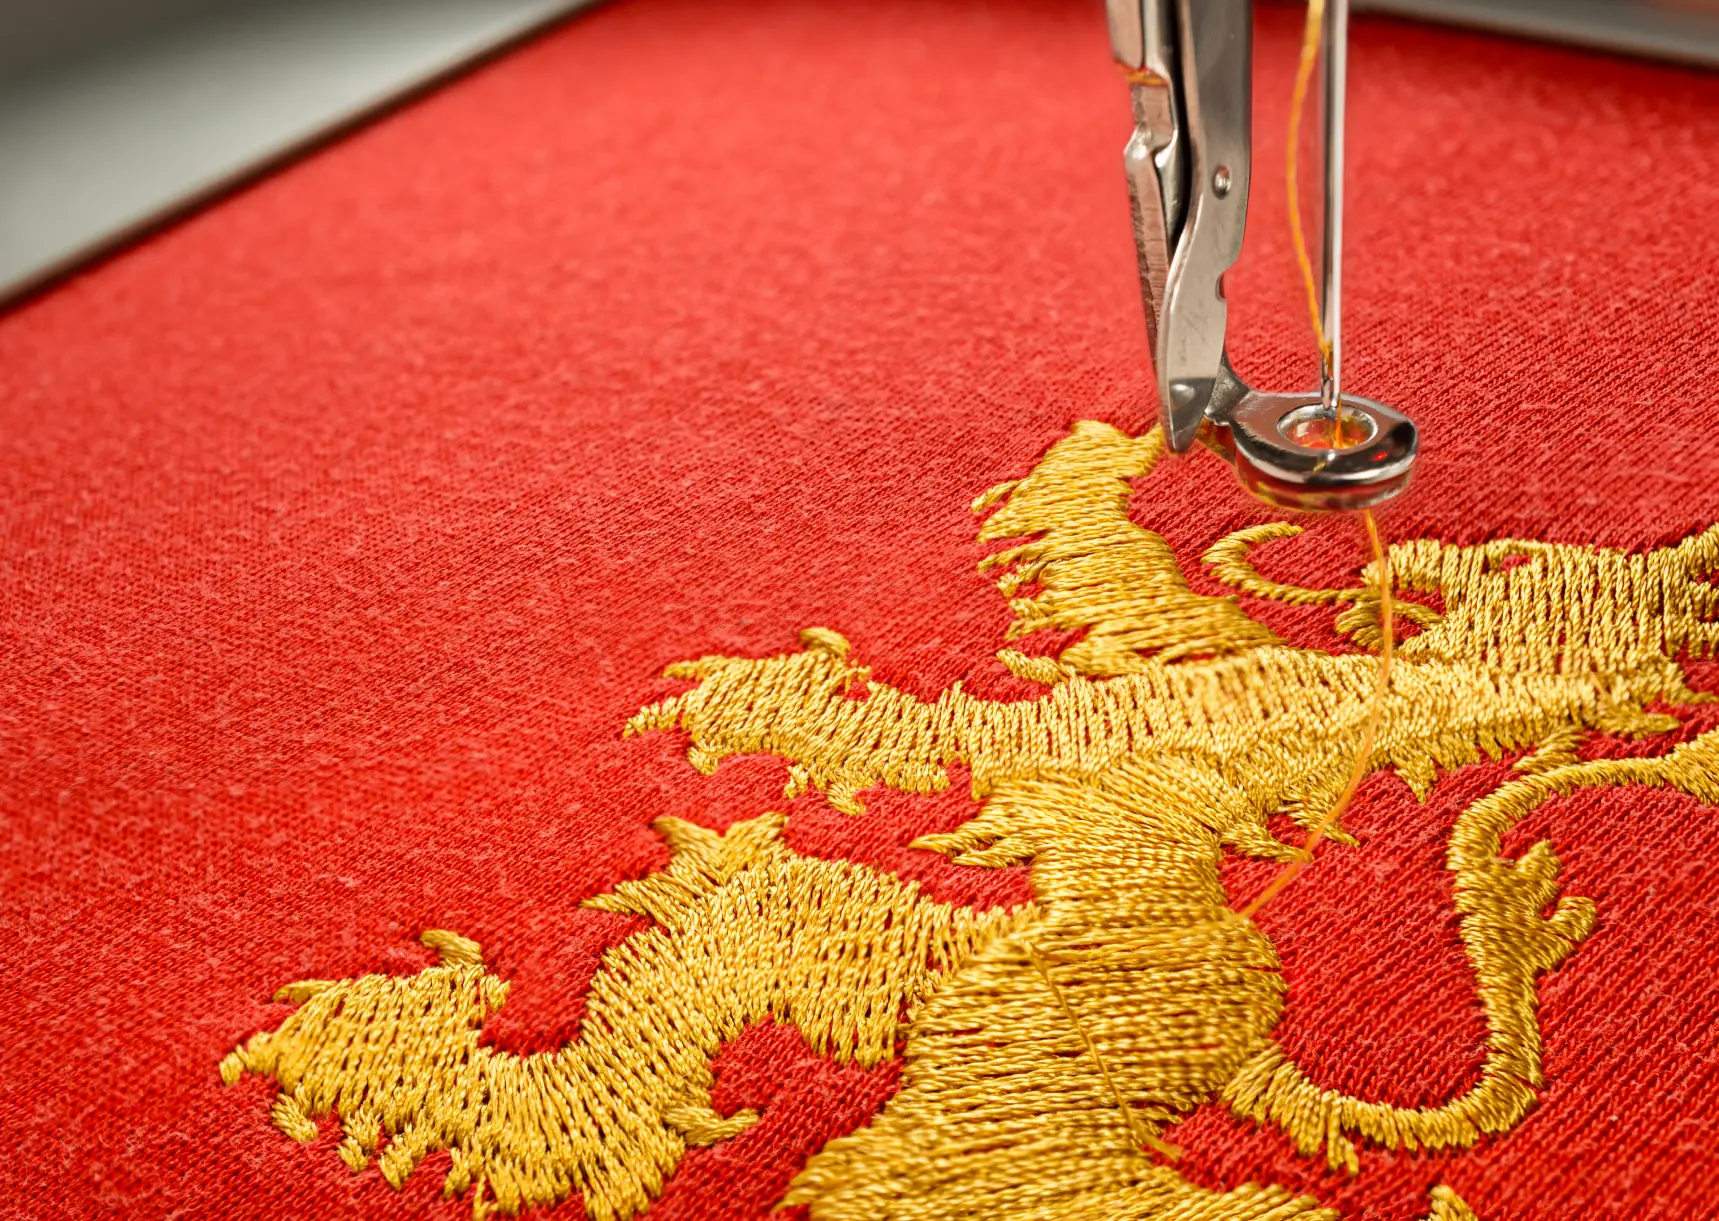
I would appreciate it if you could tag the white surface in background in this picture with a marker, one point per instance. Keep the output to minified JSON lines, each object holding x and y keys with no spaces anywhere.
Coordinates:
{"x":93,"y":153}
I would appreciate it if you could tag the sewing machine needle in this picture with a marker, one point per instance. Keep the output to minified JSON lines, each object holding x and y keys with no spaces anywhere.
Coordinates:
{"x":1336,"y":97}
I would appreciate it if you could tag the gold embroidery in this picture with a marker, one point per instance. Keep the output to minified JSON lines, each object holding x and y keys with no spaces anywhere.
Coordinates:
{"x":1515,"y":605}
{"x":1095,"y":568}
{"x":1047,"y":1050}
{"x":1509,"y":943}
{"x":746,"y":930}
{"x":1448,"y":1206}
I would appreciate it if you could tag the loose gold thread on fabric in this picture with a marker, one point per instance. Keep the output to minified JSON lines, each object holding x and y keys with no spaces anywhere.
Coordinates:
{"x":1139,"y":1137}
{"x":1363,"y":752}
{"x":1155,"y":747}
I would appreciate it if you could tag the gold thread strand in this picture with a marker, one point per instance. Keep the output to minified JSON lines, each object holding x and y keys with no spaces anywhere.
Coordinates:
{"x":1139,"y":1136}
{"x":1304,"y":66}
{"x":1369,"y":735}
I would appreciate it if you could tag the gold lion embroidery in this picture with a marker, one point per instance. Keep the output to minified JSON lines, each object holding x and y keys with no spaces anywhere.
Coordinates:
{"x":1044,"y":1050}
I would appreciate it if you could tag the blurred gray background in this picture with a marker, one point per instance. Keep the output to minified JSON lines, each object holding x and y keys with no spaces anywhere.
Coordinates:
{"x":118,"y":114}
{"x":1682,"y":30}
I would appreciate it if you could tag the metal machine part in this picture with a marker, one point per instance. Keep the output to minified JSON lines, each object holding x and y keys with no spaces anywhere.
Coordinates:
{"x":1280,"y":447}
{"x":1190,"y":69}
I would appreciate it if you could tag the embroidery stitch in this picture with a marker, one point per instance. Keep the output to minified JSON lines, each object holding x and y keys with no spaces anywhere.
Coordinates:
{"x":1173,"y":728}
{"x":1508,"y":941}
{"x":1448,"y":1206}
{"x":745,"y":930}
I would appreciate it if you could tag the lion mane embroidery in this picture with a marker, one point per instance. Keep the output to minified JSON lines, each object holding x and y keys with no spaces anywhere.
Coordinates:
{"x":1044,"y":1050}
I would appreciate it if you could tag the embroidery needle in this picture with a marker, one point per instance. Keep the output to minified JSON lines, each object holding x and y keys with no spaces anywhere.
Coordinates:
{"x":1336,"y":100}
{"x":1334,"y":23}
{"x":1292,"y":172}
{"x":1189,"y":65}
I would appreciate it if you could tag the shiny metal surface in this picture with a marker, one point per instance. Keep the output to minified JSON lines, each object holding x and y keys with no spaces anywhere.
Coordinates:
{"x":1684,"y":31}
{"x":1190,"y":69}
{"x":1127,"y":31}
{"x":1254,"y":431}
{"x":1143,"y":38}
{"x":1336,"y":98}
{"x":1216,"y":38}
{"x":112,"y":122}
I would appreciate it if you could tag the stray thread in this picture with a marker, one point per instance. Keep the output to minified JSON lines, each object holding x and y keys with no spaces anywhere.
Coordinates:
{"x":1369,"y":735}
{"x":1134,"y":1130}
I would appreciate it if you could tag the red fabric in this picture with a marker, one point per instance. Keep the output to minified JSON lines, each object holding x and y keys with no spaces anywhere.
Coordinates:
{"x":346,"y":523}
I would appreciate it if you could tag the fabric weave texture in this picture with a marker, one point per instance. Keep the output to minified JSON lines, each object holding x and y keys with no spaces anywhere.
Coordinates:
{"x":347,"y":523}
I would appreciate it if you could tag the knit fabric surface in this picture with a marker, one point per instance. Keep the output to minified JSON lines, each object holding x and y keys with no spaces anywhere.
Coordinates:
{"x":348,"y":522}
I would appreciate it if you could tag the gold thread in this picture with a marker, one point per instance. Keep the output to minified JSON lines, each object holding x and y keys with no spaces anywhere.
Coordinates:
{"x":1228,"y":559}
{"x":1231,"y":563}
{"x":1000,"y":1113}
{"x":1142,"y":77}
{"x":745,"y":930}
{"x":1516,"y":605}
{"x":1509,"y":943}
{"x":1095,"y":569}
{"x":1297,"y":103}
{"x":1369,"y":734}
{"x":1139,"y":1136}
{"x":1448,"y":1206}
{"x":703,"y":1125}
{"x":1170,"y":731}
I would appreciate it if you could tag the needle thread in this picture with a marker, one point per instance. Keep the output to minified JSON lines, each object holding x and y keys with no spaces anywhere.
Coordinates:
{"x":1369,"y":732}
{"x":1297,"y":104}
{"x":1381,"y":557}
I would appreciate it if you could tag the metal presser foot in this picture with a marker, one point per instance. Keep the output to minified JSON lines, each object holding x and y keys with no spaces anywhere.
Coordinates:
{"x":1190,"y":70}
